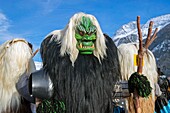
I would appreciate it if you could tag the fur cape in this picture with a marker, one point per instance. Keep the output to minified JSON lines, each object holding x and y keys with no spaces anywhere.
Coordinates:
{"x":126,"y":57}
{"x":15,"y":56}
{"x":83,"y":82}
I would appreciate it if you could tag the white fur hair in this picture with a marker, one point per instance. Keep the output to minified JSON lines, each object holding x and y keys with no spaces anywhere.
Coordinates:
{"x":15,"y":59}
{"x":126,"y":58}
{"x":66,"y":38}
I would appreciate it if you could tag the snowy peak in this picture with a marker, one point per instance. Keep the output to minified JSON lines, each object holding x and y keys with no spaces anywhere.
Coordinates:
{"x":128,"y":32}
{"x":158,"y":22}
{"x":126,"y":29}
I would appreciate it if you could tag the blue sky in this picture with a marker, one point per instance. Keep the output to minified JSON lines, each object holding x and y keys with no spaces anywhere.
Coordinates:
{"x":34,"y":19}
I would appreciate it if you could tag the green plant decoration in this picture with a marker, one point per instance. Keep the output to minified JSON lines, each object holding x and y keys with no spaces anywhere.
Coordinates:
{"x":51,"y":106}
{"x":140,"y":83}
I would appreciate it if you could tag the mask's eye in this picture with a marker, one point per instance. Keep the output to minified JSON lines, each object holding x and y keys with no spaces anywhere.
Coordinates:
{"x":81,"y":33}
{"x":90,"y":33}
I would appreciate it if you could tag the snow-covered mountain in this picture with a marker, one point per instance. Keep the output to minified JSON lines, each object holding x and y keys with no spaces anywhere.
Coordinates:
{"x":128,"y":32}
{"x":160,"y":47}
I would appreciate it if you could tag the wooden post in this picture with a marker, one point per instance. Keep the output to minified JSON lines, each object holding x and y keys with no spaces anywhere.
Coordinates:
{"x":35,"y":52}
{"x":140,"y":51}
{"x":139,"y":69}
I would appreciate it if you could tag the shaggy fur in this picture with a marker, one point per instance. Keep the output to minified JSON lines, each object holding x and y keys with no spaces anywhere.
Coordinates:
{"x":14,"y":61}
{"x":126,"y":58}
{"x":83,"y":82}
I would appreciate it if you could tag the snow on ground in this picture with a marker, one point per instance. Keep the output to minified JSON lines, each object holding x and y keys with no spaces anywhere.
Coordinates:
{"x":38,"y":65}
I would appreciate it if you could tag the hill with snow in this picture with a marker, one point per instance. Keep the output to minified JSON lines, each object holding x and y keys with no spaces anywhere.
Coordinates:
{"x":128,"y":32}
{"x":160,"y":47}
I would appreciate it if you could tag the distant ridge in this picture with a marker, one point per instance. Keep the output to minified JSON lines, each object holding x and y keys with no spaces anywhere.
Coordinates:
{"x":128,"y":32}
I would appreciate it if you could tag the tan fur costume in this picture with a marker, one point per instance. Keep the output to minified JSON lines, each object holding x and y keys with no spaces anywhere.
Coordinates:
{"x":15,"y":59}
{"x":126,"y":58}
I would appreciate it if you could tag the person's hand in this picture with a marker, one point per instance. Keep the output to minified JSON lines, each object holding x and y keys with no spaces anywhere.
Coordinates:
{"x":37,"y":101}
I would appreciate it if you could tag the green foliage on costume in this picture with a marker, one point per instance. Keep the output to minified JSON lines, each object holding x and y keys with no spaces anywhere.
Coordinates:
{"x":85,"y":35}
{"x":51,"y":106}
{"x":140,"y":83}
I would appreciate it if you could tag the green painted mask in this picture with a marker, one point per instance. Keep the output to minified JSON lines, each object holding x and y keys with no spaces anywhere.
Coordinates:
{"x":86,"y":36}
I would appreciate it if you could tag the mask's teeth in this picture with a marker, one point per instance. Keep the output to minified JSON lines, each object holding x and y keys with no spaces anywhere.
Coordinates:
{"x":92,"y":46}
{"x":80,"y":45}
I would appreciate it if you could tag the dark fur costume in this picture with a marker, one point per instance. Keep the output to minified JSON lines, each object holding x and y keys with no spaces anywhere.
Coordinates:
{"x":87,"y":87}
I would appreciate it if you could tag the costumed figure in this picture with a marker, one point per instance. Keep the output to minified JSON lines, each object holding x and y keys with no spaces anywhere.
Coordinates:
{"x":82,"y":65}
{"x":15,"y":60}
{"x":142,"y":83}
{"x":127,"y":54}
